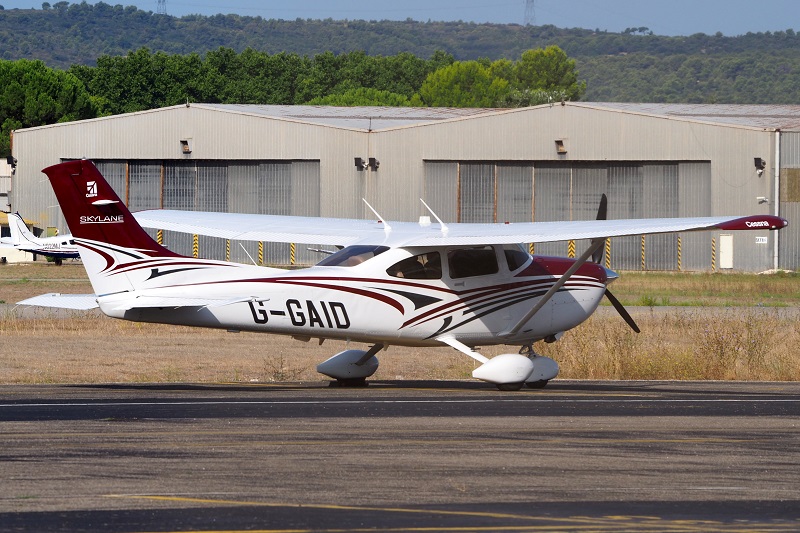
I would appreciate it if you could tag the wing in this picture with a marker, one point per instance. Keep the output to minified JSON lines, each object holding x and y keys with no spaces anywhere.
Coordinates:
{"x":267,"y":228}
{"x":344,"y":232}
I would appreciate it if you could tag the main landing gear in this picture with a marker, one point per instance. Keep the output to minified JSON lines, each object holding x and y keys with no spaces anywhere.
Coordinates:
{"x":509,"y":372}
{"x":351,"y":368}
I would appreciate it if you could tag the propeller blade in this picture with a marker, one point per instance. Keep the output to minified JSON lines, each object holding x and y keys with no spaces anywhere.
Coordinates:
{"x":602,"y":212}
{"x":599,"y":254}
{"x":622,"y":311}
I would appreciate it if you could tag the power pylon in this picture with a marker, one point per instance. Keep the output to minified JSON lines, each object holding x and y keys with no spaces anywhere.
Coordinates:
{"x":530,"y":13}
{"x":162,"y":7}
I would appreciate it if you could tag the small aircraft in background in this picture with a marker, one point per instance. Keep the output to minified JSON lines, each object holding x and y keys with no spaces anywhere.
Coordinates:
{"x":403,"y":283}
{"x":59,"y":247}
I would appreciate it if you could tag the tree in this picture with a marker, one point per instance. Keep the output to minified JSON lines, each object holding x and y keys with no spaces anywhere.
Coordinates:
{"x":463,"y":84}
{"x":362,"y":97}
{"x":35,"y":95}
{"x":548,"y":69}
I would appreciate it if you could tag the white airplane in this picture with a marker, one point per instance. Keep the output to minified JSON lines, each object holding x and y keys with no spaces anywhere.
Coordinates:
{"x":402,"y":283}
{"x":59,"y":247}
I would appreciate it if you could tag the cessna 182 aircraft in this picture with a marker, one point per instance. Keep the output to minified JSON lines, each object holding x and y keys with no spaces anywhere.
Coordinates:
{"x":60,"y":247}
{"x":414,"y":284}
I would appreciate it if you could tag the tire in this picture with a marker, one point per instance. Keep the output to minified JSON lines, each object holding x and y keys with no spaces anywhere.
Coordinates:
{"x":509,"y":386}
{"x":542,"y":383}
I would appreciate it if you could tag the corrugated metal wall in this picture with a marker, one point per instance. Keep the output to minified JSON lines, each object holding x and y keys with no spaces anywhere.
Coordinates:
{"x":263,"y":187}
{"x":789,"y":256}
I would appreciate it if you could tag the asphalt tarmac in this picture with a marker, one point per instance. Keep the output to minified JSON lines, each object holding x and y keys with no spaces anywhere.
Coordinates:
{"x":401,"y":456}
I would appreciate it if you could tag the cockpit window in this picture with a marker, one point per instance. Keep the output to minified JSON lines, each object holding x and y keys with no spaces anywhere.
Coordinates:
{"x":352,"y":256}
{"x":469,"y":262}
{"x":422,"y":266}
{"x":515,"y":256}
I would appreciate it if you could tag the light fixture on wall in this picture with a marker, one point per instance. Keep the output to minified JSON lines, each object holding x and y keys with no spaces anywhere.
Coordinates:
{"x":360,"y":164}
{"x":186,"y":146}
{"x":374,"y":163}
{"x":561,"y":148}
{"x":760,"y":165}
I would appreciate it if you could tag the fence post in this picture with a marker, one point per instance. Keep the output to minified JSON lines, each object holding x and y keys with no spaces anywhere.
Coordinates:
{"x":261,"y":253}
{"x":291,"y":254}
{"x":608,"y":253}
{"x":680,"y":255}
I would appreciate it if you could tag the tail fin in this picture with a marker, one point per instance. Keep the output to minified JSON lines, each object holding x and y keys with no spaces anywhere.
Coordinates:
{"x":20,"y":234}
{"x":108,"y":236}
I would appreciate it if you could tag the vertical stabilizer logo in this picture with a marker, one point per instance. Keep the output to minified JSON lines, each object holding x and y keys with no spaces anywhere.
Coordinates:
{"x":91,"y":189}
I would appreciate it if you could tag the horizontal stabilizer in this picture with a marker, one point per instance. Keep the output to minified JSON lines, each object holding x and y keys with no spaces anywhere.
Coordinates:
{"x":81,"y":302}
{"x":173,"y":302}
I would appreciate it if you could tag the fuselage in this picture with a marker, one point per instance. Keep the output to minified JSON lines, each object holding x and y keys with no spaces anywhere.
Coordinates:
{"x":403,"y":296}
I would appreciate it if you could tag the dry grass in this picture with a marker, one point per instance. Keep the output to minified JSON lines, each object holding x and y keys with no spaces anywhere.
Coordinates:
{"x":92,"y":349}
{"x":691,"y":343}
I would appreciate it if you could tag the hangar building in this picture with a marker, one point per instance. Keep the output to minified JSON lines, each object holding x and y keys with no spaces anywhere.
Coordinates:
{"x":542,"y":163}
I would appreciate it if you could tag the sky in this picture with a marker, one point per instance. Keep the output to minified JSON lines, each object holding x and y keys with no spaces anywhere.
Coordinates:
{"x":663,"y":17}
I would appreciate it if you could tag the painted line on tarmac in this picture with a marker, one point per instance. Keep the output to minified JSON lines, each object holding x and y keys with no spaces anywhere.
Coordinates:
{"x":544,"y":523}
{"x":363,"y":401}
{"x":554,"y":522}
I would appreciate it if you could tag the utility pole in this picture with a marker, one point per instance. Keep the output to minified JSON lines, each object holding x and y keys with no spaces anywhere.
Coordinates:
{"x":162,"y":7}
{"x":530,"y":13}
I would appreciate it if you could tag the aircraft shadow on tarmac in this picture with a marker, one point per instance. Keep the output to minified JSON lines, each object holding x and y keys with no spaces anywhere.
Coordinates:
{"x":695,"y":388}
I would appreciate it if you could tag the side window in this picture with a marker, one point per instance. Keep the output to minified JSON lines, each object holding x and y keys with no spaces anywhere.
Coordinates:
{"x":515,"y":256}
{"x":422,"y":266}
{"x":469,"y":262}
{"x":352,"y":255}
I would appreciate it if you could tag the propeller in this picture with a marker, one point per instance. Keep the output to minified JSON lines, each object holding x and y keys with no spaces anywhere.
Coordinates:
{"x":598,"y":256}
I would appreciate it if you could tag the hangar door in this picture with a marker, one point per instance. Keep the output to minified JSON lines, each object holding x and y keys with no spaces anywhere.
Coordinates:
{"x":553,"y":191}
{"x":262,"y":187}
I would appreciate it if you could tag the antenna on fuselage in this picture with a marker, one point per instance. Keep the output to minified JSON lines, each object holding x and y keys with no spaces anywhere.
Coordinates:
{"x":445,"y":229}
{"x":386,"y":227}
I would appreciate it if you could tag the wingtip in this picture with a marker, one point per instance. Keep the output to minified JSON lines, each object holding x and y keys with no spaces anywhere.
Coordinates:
{"x":770,"y":222}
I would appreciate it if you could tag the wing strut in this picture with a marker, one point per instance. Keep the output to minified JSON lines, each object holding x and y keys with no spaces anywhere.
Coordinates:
{"x":555,"y":288}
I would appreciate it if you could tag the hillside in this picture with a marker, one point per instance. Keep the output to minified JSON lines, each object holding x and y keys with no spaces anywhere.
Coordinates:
{"x":753,"y":68}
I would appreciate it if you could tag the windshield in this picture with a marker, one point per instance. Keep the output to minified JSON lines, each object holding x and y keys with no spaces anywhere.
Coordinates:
{"x":352,"y":256}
